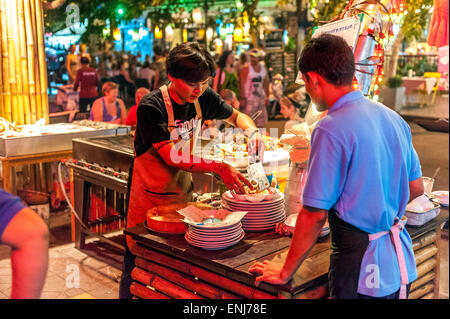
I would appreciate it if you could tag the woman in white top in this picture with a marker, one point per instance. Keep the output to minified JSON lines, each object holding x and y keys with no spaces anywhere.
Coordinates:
{"x":254,"y":93}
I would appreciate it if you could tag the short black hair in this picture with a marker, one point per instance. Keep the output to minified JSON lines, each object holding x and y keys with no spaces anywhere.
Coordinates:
{"x":84,"y":60}
{"x":158,"y":50}
{"x":190,"y":62}
{"x":329,"y":56}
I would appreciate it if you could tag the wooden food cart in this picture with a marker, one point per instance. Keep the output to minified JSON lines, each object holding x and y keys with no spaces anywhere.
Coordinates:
{"x":168,"y":267}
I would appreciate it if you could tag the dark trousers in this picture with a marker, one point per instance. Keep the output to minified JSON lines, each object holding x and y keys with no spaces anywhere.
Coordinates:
{"x":84,"y":102}
{"x":395,"y":295}
{"x":128,"y":257}
{"x":348,"y":246}
{"x":125,"y":279}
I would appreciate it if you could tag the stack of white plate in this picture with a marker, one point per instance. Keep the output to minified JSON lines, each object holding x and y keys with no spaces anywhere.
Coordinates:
{"x":441,"y":197}
{"x":261,"y":216}
{"x":214,"y":238}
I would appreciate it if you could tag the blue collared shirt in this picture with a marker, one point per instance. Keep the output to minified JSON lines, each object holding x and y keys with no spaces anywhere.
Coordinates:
{"x":361,"y":162}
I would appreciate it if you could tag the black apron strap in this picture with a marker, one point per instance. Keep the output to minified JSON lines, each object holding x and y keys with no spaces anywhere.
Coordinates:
{"x":348,"y":245}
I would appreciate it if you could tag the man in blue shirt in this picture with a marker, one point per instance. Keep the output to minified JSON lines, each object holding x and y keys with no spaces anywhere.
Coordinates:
{"x":362,"y":172}
{"x":27,"y":235}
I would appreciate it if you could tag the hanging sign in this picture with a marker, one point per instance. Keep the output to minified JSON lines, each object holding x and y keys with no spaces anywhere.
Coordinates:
{"x":347,"y":28}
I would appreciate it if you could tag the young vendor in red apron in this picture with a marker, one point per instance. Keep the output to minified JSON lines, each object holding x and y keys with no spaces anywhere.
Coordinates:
{"x":362,"y":171}
{"x":168,"y":121}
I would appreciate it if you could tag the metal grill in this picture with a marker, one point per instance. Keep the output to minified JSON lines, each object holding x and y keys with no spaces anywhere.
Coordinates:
{"x":100,"y":176}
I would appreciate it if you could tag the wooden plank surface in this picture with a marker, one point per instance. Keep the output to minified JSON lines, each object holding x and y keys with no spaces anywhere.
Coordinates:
{"x":312,"y":271}
{"x":252,"y":247}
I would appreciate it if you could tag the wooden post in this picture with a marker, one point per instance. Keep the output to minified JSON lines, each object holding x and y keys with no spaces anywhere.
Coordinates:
{"x":23,"y":61}
{"x":23,"y":67}
{"x":6,"y":90}
{"x":30,"y":65}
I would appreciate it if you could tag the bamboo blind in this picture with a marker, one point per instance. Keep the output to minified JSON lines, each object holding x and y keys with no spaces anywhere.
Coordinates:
{"x":23,"y":78}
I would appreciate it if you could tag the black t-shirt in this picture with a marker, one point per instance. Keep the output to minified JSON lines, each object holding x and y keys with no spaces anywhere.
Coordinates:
{"x":152,"y":118}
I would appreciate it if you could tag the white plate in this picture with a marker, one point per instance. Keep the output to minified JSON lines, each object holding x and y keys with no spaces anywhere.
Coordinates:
{"x":264,"y":220}
{"x":262,"y":223}
{"x":253,"y":210}
{"x":259,"y":229}
{"x":264,"y":217}
{"x":222,"y":239}
{"x":227,"y":197}
{"x":213,"y":232}
{"x":215,"y":236}
{"x":212,"y":226}
{"x":441,"y":197}
{"x":209,"y":246}
{"x":253,"y":207}
{"x":218,"y":243}
{"x":276,"y":194}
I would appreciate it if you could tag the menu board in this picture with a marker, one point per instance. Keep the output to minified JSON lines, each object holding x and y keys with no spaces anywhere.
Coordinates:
{"x":273,"y":39}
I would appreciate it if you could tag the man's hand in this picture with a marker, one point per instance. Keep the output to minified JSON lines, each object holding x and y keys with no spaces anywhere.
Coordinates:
{"x":232,"y":179}
{"x":270,"y":272}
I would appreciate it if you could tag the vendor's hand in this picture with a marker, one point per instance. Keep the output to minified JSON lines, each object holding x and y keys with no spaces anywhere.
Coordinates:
{"x":269,"y":271}
{"x":256,"y":147}
{"x":232,"y":179}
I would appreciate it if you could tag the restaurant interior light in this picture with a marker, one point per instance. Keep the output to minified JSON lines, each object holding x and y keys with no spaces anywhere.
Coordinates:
{"x":238,"y":34}
{"x":169,"y":33}
{"x":209,"y":34}
{"x":197,"y":15}
{"x":116,"y":34}
{"x":158,"y":33}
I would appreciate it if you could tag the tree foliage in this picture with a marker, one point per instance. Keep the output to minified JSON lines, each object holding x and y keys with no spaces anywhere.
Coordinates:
{"x":416,"y":18}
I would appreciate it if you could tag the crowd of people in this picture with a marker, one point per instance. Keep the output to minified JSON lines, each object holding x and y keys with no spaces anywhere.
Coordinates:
{"x":256,"y":93}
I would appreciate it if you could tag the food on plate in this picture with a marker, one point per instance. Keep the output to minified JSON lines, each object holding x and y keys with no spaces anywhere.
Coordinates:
{"x":420,"y":204}
{"x":256,"y":190}
{"x":239,"y":146}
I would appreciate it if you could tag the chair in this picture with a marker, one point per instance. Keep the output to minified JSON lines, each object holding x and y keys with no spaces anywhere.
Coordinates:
{"x":81,"y":116}
{"x":435,"y":89}
{"x":60,"y":117}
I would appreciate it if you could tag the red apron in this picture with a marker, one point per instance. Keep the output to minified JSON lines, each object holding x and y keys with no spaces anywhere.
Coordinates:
{"x":154,"y":182}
